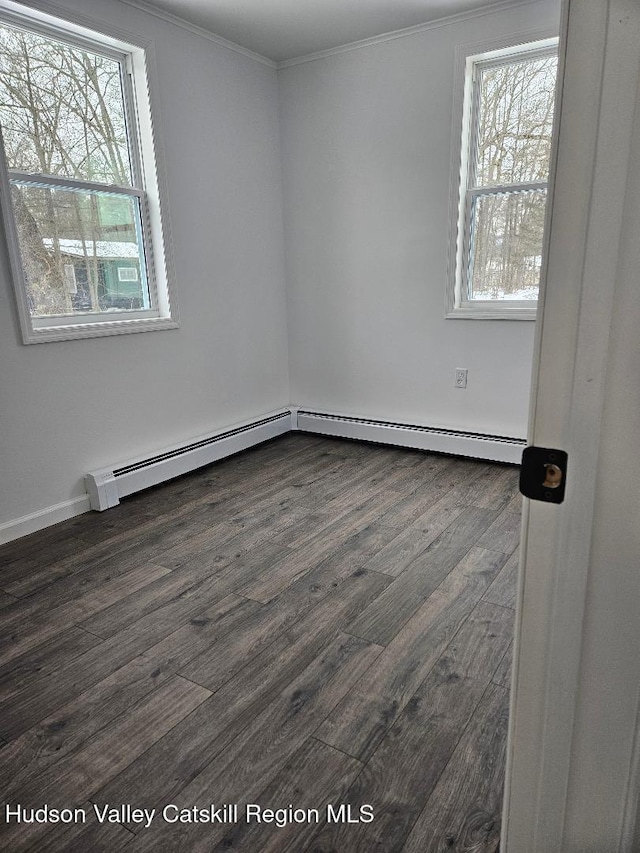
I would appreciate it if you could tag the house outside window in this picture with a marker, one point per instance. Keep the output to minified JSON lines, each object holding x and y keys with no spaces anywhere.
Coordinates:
{"x":82,"y":216}
{"x":507,"y":124}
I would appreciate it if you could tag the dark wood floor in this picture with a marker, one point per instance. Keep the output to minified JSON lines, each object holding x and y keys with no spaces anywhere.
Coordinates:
{"x":311,"y":622}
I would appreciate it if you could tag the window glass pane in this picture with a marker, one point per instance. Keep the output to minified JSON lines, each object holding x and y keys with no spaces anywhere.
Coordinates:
{"x":61,"y":110}
{"x":506,"y":249}
{"x":82,"y":250}
{"x":515,"y":121}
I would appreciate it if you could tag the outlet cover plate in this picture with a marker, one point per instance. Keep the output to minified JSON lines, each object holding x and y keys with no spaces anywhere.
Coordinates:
{"x":461,"y":377}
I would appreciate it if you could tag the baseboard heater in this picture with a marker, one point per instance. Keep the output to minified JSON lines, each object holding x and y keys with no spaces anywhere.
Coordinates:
{"x":108,"y":485}
{"x":477,"y":445}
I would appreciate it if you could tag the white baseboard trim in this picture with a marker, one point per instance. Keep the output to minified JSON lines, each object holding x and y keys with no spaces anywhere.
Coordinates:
{"x":457,"y":443}
{"x":35,"y":521}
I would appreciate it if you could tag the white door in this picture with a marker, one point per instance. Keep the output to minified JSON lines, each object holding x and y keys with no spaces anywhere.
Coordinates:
{"x":573,"y":777}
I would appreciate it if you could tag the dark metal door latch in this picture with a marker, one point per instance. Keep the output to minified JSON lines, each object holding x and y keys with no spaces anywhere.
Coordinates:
{"x":543,"y":474}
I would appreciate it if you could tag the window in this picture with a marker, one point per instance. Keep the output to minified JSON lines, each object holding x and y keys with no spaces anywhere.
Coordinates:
{"x":506,"y":145}
{"x":127,"y":274}
{"x":81,"y":214}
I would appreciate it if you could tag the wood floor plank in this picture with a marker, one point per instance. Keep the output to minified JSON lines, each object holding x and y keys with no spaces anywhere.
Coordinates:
{"x":134,"y":515}
{"x":415,"y":457}
{"x":28,"y":560}
{"x":416,"y":538}
{"x":314,"y":777}
{"x":414,"y":485}
{"x":342,"y":519}
{"x":428,"y":485}
{"x":91,"y":837}
{"x":360,"y":721}
{"x":415,"y":501}
{"x":464,"y":811}
{"x":361,"y":501}
{"x":502,"y":675}
{"x":228,"y":564}
{"x":29,"y":576}
{"x":495,"y":488}
{"x":336,"y":474}
{"x":343,"y":446}
{"x":44,"y":695}
{"x":258,"y":481}
{"x":396,"y":555}
{"x":185,"y":551}
{"x":43,"y":660}
{"x":105,"y":594}
{"x":6,"y":600}
{"x":322,"y":473}
{"x":78,"y":775}
{"x":47,"y":743}
{"x":218,"y":664}
{"x":407,"y":765}
{"x":257,"y":755}
{"x":504,"y":589}
{"x":466,"y":478}
{"x":515,"y":503}
{"x":434,"y":520}
{"x":271,"y":564}
{"x":354,"y":552}
{"x":268,"y":511}
{"x":152,"y":597}
{"x":63,"y":594}
{"x":236,"y":562}
{"x":119,"y":555}
{"x":220,"y":487}
{"x":199,"y":499}
{"x":29,"y":551}
{"x":301,"y":447}
{"x":165,"y":769}
{"x":30,"y":632}
{"x":504,"y":534}
{"x":354,"y":496}
{"x":382,"y":620}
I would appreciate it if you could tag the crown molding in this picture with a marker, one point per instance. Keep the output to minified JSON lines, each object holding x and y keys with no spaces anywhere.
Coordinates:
{"x":53,"y":13}
{"x":445,"y":21}
{"x":53,"y":8}
{"x":176,"y":21}
{"x":448,"y":20}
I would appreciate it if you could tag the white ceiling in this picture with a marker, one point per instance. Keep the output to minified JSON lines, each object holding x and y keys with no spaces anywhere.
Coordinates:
{"x":284,"y":29}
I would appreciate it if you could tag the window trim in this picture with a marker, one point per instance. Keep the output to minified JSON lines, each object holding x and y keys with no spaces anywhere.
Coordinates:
{"x":135,"y":56}
{"x":462,"y":190}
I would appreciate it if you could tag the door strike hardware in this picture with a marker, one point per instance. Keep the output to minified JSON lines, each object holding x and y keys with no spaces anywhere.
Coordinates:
{"x":543,"y":474}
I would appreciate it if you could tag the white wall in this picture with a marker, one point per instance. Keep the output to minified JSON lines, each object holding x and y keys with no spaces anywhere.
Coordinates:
{"x":69,"y":407}
{"x":360,"y":329}
{"x":367,"y":136}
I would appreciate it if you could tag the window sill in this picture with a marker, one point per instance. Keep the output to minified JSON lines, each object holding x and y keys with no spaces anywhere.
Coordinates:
{"x":75,"y":331}
{"x":492,"y":312}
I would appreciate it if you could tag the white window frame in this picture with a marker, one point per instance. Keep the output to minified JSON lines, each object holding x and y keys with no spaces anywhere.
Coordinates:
{"x":133,"y":55}
{"x":134,"y":277}
{"x":470,"y":59}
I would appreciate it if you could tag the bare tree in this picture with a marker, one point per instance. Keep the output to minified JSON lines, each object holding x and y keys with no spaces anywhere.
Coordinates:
{"x":62,"y":114}
{"x":513,"y":146}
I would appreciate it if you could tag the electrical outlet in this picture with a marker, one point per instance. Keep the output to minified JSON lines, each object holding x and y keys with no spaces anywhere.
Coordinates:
{"x":461,"y":377}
